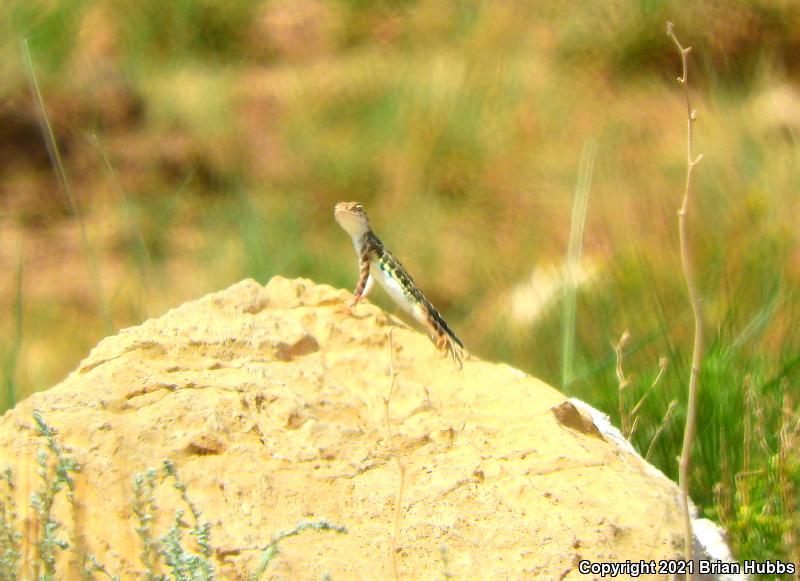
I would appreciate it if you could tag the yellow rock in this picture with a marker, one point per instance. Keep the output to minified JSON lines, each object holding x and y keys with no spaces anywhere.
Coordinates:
{"x":270,"y":403}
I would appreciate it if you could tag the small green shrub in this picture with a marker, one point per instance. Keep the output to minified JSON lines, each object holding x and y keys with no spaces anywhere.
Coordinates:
{"x":759,"y":508}
{"x":184,"y":551}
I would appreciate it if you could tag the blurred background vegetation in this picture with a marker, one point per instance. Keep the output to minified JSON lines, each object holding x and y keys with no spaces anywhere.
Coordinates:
{"x":203,"y":142}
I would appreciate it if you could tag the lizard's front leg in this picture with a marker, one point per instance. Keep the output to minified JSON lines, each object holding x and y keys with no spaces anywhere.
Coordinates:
{"x":364,"y":284}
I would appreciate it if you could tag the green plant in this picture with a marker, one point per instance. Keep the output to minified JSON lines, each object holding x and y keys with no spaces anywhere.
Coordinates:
{"x":272,"y":550}
{"x":66,"y":186}
{"x":759,"y":505}
{"x":186,"y":565}
{"x":9,"y":536}
{"x":170,"y":556}
{"x":184,"y":562}
{"x":55,"y":470}
{"x":144,"y":507}
{"x":11,"y":360}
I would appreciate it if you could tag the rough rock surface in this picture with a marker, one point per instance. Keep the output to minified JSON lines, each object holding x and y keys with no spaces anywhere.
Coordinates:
{"x":270,"y":403}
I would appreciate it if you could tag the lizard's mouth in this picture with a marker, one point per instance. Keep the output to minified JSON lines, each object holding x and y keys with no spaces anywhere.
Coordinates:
{"x":350,"y":223}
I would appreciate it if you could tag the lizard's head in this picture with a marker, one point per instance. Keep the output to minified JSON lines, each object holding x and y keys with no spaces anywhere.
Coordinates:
{"x":352,"y":218}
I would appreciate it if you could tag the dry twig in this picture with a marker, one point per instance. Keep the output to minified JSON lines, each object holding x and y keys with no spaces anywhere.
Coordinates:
{"x":622,"y":382}
{"x":667,"y":417}
{"x":694,"y":298}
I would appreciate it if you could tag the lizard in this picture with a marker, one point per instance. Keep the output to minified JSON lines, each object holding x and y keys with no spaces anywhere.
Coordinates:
{"x":375,"y":262}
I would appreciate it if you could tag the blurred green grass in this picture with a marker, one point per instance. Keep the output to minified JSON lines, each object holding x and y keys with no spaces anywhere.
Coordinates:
{"x":208,"y":142}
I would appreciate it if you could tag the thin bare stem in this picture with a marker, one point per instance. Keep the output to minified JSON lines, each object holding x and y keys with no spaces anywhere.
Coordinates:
{"x":694,"y":298}
{"x":748,"y":441}
{"x":572,"y":266}
{"x":789,"y":444}
{"x":142,"y":243}
{"x":662,"y":367}
{"x":667,"y":417}
{"x":401,"y":468}
{"x":11,"y":362}
{"x":58,"y":165}
{"x":622,"y":382}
